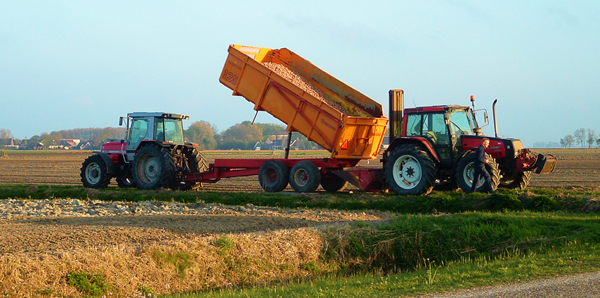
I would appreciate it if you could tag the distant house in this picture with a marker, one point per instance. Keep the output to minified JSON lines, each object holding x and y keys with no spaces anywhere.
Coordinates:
{"x":276,"y":142}
{"x":9,"y":143}
{"x":70,"y":143}
{"x":34,"y":146}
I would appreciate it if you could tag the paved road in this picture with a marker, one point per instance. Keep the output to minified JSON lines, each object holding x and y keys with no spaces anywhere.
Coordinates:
{"x":576,"y":286}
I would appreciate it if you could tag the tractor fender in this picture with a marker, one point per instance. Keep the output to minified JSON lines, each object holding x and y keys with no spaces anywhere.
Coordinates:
{"x":110,"y":166}
{"x":420,"y":141}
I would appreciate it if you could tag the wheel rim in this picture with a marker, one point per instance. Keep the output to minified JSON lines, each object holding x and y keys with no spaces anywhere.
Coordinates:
{"x":301,"y":177}
{"x":149,"y":169}
{"x":92,"y":173}
{"x":468,"y":175}
{"x":270,"y":176}
{"x":407,"y":172}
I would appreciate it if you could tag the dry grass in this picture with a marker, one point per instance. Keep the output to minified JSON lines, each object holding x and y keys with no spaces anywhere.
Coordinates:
{"x":174,"y":267}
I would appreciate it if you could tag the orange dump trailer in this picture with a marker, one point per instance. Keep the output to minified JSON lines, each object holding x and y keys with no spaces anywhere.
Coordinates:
{"x":308,"y":100}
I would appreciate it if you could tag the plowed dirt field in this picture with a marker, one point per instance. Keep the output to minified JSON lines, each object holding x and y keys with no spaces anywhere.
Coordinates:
{"x":577,"y":169}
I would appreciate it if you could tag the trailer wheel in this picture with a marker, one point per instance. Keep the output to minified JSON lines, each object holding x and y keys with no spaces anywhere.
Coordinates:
{"x":333,"y":183}
{"x":273,"y":175}
{"x":196,"y":163}
{"x":94,"y":173}
{"x":305,"y":176}
{"x":153,"y":167}
{"x":410,"y":171}
{"x":516,"y":181}
{"x":465,"y":171}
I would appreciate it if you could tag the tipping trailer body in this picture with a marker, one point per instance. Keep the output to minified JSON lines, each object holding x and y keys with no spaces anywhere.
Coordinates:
{"x":353,"y":129}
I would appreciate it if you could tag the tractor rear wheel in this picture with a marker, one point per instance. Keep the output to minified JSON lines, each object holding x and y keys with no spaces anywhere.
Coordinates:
{"x":516,"y":181}
{"x":409,"y":170}
{"x":333,"y":183}
{"x":94,"y":173}
{"x":153,"y":167}
{"x":273,"y":175}
{"x":465,"y":171}
{"x":196,"y":163}
{"x":305,"y":176}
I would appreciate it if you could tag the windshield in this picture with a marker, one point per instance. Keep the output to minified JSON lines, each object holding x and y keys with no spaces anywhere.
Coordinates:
{"x":461,"y":123}
{"x":169,"y":130}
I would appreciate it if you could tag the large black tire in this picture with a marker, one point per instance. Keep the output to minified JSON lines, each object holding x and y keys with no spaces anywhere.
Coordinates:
{"x":273,"y":175}
{"x":153,"y":167}
{"x":409,"y":170}
{"x":94,"y":173}
{"x":196,"y":163}
{"x":516,"y":181}
{"x":464,"y":173}
{"x":333,"y":183}
{"x":305,"y":176}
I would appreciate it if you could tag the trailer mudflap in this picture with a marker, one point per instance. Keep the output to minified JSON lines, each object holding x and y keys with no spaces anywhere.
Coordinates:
{"x":545,"y":164}
{"x":364,"y":179}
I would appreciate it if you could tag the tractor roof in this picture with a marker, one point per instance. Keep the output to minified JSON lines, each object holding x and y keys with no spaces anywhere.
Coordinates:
{"x":430,"y":109}
{"x":158,"y":114}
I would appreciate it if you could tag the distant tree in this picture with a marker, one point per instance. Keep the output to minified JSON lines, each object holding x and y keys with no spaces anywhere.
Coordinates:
{"x":567,"y":141}
{"x":35,"y":139}
{"x":5,"y":133}
{"x":580,"y":137}
{"x":591,"y":137}
{"x":303,"y":143}
{"x":47,"y":140}
{"x":240,"y":136}
{"x":271,"y":129}
{"x":203,"y":134}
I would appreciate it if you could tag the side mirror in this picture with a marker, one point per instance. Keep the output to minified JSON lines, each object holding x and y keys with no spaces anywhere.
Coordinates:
{"x":121,"y":121}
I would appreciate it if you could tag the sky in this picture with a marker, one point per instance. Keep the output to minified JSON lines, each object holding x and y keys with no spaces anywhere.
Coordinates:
{"x":80,"y":64}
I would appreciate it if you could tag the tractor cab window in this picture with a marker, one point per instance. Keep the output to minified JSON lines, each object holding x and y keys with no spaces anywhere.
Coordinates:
{"x":431,"y":126}
{"x":434,"y":127}
{"x":460,"y":123}
{"x":169,"y":130}
{"x":139,"y":130}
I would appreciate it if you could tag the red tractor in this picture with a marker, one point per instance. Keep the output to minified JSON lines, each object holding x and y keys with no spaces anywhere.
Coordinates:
{"x":153,"y":155}
{"x":436,"y":144}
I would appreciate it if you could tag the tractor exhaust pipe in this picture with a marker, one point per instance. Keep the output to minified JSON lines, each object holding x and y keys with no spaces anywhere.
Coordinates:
{"x":396,"y":111}
{"x":495,"y":122}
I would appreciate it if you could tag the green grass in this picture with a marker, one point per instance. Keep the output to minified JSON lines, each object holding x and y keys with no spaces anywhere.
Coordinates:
{"x":89,"y":284}
{"x":438,"y":201}
{"x":448,"y":277}
{"x":419,"y":254}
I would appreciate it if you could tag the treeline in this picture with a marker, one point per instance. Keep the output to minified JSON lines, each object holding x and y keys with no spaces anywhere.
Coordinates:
{"x":244,"y":136}
{"x":584,"y":138}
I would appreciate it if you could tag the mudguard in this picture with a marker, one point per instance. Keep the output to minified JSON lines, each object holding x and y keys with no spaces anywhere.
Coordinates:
{"x":110,"y":166}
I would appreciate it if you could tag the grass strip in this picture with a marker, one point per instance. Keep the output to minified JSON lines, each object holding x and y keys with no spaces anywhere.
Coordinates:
{"x":438,"y":201}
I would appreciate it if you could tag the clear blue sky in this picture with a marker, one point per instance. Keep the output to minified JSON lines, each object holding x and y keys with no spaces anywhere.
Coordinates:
{"x":76,"y":64}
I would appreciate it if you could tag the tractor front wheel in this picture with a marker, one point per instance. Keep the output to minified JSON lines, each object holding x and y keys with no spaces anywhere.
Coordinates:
{"x":409,"y":170}
{"x":305,"y":176}
{"x":153,"y":167}
{"x":516,"y":181}
{"x":465,"y":172}
{"x":94,"y":173}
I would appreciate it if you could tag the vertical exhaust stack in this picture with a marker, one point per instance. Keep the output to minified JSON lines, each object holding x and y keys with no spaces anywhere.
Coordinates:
{"x":495,"y":122}
{"x":396,"y":111}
